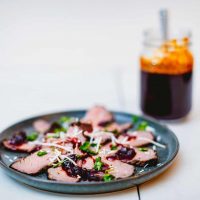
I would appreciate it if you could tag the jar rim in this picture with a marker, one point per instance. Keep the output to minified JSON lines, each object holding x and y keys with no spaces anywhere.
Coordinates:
{"x":153,"y":37}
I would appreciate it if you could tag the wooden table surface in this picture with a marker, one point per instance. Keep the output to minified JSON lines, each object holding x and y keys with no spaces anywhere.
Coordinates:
{"x":25,"y":93}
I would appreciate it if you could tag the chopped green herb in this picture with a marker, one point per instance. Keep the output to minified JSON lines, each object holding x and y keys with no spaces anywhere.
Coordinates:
{"x":108,"y":177}
{"x":98,"y":164}
{"x":143,"y":149}
{"x":113,"y":147}
{"x":142,"y":126}
{"x":33,"y":136}
{"x":93,"y":145}
{"x":64,"y":119}
{"x":41,"y":153}
{"x":135,"y":119}
{"x":91,"y":152}
{"x":86,"y":148}
{"x":61,"y":129}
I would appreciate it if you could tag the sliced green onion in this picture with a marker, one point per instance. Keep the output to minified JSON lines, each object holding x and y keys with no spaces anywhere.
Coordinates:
{"x":143,"y":149}
{"x":41,"y":153}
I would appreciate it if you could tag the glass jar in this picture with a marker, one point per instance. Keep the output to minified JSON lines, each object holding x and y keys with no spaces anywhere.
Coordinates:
{"x":166,"y":77}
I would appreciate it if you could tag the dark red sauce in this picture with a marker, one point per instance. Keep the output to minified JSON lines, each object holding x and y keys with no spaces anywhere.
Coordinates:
{"x":166,"y":96}
{"x":124,"y":153}
{"x":18,"y":138}
{"x":85,"y":174}
{"x":74,"y":141}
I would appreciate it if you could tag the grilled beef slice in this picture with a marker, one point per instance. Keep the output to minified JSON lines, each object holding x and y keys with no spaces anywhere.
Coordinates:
{"x":33,"y":164}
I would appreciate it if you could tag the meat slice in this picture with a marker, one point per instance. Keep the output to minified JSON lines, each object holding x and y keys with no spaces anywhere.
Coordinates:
{"x":137,"y":138}
{"x":119,"y":169}
{"x":100,"y":135}
{"x":83,"y":126}
{"x":59,"y":174}
{"x":75,"y":132}
{"x":119,"y":128}
{"x":88,"y":163}
{"x":143,"y":157}
{"x":18,"y":142}
{"x":33,"y":163}
{"x":77,"y":151}
{"x":25,"y":147}
{"x":106,"y":147}
{"x":98,"y":116}
{"x":41,"y":125}
{"x":137,"y":156}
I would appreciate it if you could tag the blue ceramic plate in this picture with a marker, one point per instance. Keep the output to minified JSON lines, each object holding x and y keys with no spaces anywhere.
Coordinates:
{"x":166,"y":156}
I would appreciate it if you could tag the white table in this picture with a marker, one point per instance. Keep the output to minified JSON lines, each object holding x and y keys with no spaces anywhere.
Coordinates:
{"x":25,"y":93}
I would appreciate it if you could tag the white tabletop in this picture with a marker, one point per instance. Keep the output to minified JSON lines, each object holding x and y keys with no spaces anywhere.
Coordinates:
{"x":26,"y":93}
{"x":60,"y":55}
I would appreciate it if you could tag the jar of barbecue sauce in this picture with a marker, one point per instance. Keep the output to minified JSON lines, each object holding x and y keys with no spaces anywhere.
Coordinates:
{"x":166,"y":77}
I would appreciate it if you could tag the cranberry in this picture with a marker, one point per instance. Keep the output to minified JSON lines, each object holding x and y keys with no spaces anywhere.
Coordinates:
{"x":18,"y":138}
{"x":126,"y":153}
{"x":85,"y":174}
{"x":94,"y":176}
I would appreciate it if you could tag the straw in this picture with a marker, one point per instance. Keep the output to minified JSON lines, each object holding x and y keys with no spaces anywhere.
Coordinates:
{"x":163,"y":14}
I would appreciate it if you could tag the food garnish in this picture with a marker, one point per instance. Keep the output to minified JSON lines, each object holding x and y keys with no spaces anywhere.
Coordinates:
{"x":41,"y":153}
{"x":98,"y":164}
{"x":108,"y":177}
{"x":33,"y":136}
{"x":86,"y":149}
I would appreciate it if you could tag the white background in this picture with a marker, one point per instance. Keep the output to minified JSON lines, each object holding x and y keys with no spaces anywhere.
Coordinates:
{"x":57,"y":55}
{"x":85,"y":33}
